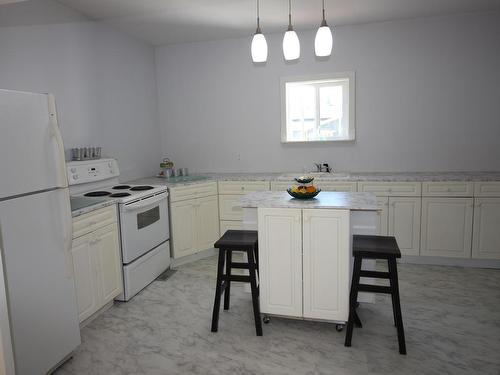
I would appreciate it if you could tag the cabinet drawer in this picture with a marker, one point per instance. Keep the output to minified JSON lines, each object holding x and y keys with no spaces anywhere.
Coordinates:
{"x":393,"y":189}
{"x":181,"y":193}
{"x":242,"y":187}
{"x":91,"y":221}
{"x":229,"y":208}
{"x":487,"y":189}
{"x":337,"y":186}
{"x":447,"y":189}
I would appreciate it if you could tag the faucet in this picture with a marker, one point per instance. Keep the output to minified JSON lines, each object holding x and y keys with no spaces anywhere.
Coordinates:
{"x":323,"y":167}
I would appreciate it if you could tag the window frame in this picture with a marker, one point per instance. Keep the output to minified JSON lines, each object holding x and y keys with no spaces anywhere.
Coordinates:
{"x":336,"y":76}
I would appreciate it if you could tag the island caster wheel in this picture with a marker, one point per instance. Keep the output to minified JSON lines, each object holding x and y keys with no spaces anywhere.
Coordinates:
{"x":339,"y":327}
{"x":266,"y":319}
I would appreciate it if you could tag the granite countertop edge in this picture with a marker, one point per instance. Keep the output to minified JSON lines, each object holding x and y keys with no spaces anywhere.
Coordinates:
{"x":341,"y":177}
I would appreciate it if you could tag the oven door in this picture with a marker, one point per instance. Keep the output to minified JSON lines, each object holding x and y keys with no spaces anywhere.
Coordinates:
{"x":143,"y":225}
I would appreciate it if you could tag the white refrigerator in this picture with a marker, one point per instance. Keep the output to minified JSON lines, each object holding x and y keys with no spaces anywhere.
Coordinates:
{"x":38,"y":312}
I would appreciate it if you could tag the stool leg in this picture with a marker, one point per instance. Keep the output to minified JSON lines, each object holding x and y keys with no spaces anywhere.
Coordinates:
{"x":227,"y":290}
{"x":393,"y":272}
{"x":255,"y":293}
{"x":218,"y":290}
{"x":353,"y":298}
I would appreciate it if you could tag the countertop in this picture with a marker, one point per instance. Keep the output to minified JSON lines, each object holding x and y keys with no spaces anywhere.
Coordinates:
{"x":82,"y":205}
{"x":325,"y":199}
{"x":336,"y":176}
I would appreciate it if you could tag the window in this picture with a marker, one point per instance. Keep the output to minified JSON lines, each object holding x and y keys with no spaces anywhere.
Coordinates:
{"x":318,"y":108}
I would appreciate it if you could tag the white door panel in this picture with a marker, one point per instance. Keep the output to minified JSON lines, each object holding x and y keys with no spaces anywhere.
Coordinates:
{"x":31,"y":143}
{"x":40,"y":288}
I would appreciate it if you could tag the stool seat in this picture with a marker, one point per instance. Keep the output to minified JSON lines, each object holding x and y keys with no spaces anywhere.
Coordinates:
{"x":238,"y":239}
{"x":375,"y":247}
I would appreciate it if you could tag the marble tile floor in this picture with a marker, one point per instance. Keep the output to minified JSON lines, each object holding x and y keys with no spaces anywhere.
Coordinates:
{"x":451,"y":317}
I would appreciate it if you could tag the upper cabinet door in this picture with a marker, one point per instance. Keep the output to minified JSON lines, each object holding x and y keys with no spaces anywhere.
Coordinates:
{"x":326,"y":260}
{"x":280,"y":261}
{"x":30,"y":143}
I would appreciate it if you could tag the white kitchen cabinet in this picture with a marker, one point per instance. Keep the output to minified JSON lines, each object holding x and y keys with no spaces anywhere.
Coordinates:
{"x":304,"y":262}
{"x":326,"y":261}
{"x":229,"y":208}
{"x":486,"y":233}
{"x":404,"y":223}
{"x":207,"y":225}
{"x":280,"y":261}
{"x":383,"y":215}
{"x":446,"y":228}
{"x":183,"y":217}
{"x":96,"y":264}
{"x":230,"y":225}
{"x":194,"y":222}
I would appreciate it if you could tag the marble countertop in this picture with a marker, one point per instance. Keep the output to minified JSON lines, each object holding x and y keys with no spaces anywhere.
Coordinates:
{"x":82,"y":205}
{"x":325,"y":199}
{"x":337,"y":176}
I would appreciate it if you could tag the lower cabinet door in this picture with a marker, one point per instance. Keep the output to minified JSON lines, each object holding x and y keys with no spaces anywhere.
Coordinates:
{"x":326,"y":264}
{"x":383,"y":215}
{"x":86,"y":277}
{"x":446,"y":227}
{"x":486,"y":234}
{"x":207,"y":222}
{"x":404,"y":223}
{"x":109,"y":262}
{"x":280,"y":261}
{"x":183,"y":222}
{"x":227,"y":225}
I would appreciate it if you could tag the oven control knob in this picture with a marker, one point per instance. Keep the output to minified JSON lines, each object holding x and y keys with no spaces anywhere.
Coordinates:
{"x":73,"y":170}
{"x":75,"y":177}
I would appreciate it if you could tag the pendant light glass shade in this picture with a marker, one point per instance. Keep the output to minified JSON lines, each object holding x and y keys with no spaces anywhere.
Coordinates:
{"x":291,"y":44}
{"x":324,"y":41}
{"x":259,"y":48}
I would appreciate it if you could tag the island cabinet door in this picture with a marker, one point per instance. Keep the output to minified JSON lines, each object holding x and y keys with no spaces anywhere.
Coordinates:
{"x":280,"y":261}
{"x":326,"y":264}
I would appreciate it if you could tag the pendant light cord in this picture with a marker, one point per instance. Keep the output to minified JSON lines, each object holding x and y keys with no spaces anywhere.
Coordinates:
{"x":323,"y":22}
{"x":258,"y":31}
{"x":290,"y":28}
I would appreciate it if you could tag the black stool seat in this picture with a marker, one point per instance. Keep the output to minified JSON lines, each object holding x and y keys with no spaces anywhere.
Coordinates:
{"x":237,"y":240}
{"x":375,"y":247}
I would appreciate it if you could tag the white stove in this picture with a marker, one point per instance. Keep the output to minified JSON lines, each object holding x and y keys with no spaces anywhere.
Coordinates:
{"x":143,"y":218}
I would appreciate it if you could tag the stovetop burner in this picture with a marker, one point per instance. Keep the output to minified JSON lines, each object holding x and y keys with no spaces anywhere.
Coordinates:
{"x":120,"y":195}
{"x":141,"y":187}
{"x":121,"y":187}
{"x":97,"y":194}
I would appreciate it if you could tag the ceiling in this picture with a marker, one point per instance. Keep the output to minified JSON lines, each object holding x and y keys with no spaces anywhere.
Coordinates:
{"x":178,"y":21}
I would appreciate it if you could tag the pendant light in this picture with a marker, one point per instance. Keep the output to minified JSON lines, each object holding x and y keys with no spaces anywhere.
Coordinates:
{"x":291,"y":44}
{"x":259,"y":44}
{"x":323,"y":41}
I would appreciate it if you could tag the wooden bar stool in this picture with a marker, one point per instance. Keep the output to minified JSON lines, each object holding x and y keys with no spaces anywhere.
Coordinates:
{"x":375,"y":247}
{"x":237,"y":240}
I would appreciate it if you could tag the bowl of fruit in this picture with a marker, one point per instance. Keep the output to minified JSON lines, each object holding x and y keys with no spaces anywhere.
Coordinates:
{"x":303,"y":192}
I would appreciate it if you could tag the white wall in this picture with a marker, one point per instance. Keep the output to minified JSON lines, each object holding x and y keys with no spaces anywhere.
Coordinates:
{"x":103,"y":81}
{"x":428,"y":98}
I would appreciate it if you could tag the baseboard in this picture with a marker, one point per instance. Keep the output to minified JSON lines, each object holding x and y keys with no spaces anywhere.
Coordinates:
{"x":193,"y":257}
{"x":456,"y":262}
{"x":89,"y":320}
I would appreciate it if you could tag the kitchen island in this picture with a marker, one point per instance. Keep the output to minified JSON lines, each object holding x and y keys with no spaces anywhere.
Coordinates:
{"x":305,"y":250}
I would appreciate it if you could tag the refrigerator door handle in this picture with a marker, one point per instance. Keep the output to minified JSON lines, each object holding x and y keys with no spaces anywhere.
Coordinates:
{"x":56,"y":133}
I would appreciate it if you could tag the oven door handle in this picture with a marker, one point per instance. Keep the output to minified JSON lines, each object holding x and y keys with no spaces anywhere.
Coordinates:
{"x":145,"y":202}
